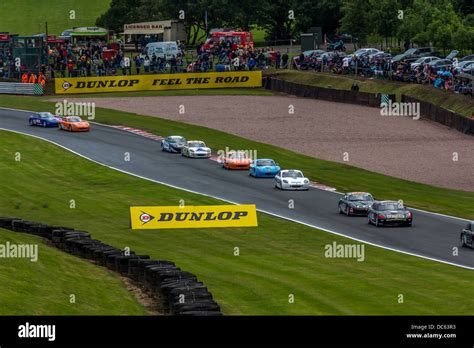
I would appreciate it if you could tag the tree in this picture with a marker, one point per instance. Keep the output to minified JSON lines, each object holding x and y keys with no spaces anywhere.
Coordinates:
{"x":323,"y":13}
{"x":385,"y":17}
{"x":356,"y":19}
{"x":276,"y":19}
{"x":119,"y":13}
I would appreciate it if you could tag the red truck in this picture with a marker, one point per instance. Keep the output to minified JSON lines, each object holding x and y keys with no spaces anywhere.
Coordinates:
{"x":238,"y":39}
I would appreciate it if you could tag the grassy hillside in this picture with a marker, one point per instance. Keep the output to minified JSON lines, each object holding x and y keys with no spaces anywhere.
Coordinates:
{"x":44,"y":287}
{"x":276,"y":259}
{"x":27,"y":17}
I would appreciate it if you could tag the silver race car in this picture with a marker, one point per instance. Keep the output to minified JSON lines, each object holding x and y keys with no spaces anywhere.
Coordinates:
{"x":196,"y":149}
{"x":173,"y":144}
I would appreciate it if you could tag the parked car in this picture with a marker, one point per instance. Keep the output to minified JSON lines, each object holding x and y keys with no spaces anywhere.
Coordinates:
{"x":441,"y":64}
{"x":413,"y":54}
{"x":366,"y":52}
{"x":422,"y":61}
{"x":465,"y":67}
{"x":467,"y":58}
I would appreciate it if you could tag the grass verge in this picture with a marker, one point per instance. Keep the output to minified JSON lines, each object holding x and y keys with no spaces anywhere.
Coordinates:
{"x":45,"y":287}
{"x":277,"y":259}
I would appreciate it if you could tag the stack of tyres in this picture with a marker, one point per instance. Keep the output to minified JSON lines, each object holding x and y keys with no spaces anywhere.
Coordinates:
{"x":21,"y":225}
{"x":122,"y":262}
{"x":136,"y":268}
{"x":96,"y":253}
{"x":108,"y":253}
{"x":111,"y":258}
{"x":151,"y":274}
{"x":6,"y":222}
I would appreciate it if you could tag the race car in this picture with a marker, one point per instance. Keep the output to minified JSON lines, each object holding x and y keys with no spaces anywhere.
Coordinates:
{"x":173,"y":144}
{"x":291,"y":179}
{"x":44,"y":119}
{"x":74,"y":124}
{"x":385,"y":213}
{"x":467,"y":235}
{"x":196,"y":149}
{"x":236,"y":160}
{"x":264,"y":168}
{"x":355,"y":203}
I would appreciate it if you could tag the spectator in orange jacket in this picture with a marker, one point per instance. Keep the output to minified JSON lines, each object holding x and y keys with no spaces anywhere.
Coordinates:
{"x":32,"y":78}
{"x":24,"y":78}
{"x":41,"y":79}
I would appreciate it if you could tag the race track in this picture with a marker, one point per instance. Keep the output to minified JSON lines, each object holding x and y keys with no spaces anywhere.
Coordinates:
{"x":432,"y":236}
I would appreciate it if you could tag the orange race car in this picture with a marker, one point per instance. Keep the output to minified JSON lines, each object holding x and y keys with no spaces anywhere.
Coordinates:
{"x":237,"y":160}
{"x":74,"y":124}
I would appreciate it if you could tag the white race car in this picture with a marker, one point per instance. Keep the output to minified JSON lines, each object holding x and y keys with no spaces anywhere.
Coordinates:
{"x":196,"y":149}
{"x":291,"y":179}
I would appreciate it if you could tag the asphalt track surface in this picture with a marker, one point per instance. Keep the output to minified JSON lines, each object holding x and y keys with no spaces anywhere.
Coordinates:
{"x":432,"y":236}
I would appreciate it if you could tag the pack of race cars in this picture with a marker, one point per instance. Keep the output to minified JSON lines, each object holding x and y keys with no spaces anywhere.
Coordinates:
{"x":67,"y":123}
{"x":378,"y":213}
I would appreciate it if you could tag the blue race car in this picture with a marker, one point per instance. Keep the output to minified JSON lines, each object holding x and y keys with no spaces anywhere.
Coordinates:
{"x":44,"y":119}
{"x":264,"y":168}
{"x":173,"y":144}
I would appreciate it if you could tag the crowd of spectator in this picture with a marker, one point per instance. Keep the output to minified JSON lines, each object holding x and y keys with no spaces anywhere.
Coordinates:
{"x":382,"y":67}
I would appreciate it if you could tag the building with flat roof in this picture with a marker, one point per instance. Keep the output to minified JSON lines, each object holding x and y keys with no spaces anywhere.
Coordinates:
{"x":139,"y":34}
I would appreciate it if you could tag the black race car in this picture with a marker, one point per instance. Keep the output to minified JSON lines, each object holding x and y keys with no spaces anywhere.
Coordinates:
{"x":467,"y":235}
{"x":355,"y":203}
{"x":385,"y":213}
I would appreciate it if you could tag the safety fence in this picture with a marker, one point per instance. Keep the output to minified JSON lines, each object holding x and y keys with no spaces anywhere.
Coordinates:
{"x":443,"y":116}
{"x":329,"y":94}
{"x":21,"y":88}
{"x":176,"y":291}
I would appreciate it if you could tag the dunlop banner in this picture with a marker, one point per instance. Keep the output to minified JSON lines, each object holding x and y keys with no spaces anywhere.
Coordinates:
{"x":193,"y":216}
{"x":158,"y":82}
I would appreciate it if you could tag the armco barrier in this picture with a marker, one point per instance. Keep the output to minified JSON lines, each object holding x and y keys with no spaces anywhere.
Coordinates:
{"x":329,"y":94}
{"x":443,"y":116}
{"x":176,"y":291}
{"x":21,"y":88}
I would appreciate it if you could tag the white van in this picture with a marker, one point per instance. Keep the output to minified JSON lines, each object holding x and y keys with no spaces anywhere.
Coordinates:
{"x":164,"y":50}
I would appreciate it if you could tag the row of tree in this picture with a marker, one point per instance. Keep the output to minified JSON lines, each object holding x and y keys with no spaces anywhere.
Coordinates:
{"x":444,"y":23}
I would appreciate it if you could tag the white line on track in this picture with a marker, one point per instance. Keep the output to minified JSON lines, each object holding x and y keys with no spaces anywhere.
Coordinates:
{"x":228,"y":201}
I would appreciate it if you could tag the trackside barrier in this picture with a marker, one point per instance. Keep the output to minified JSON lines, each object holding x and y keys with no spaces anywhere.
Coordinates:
{"x":177,"y":292}
{"x":443,"y":116}
{"x":329,"y":94}
{"x":21,"y":88}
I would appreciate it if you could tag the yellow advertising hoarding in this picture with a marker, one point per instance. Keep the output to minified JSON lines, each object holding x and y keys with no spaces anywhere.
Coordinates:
{"x":157,"y":82}
{"x":158,"y":217}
